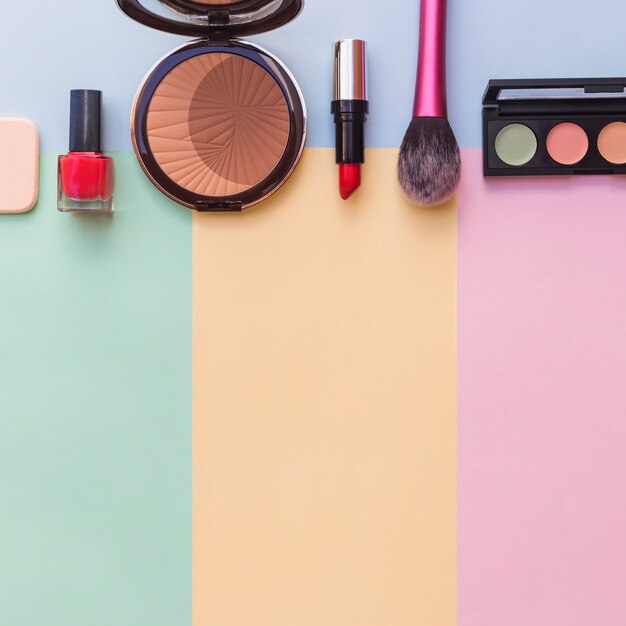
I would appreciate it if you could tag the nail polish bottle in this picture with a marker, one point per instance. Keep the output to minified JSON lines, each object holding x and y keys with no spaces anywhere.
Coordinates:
{"x":85,"y":174}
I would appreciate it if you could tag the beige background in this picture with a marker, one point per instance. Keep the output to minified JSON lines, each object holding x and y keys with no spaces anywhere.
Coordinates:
{"x":324,"y":407}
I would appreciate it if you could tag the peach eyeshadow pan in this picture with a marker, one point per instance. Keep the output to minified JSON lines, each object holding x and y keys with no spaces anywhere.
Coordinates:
{"x":218,"y":124}
{"x":567,"y":143}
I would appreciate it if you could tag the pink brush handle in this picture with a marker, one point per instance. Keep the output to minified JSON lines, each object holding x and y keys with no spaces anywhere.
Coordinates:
{"x":430,"y":91}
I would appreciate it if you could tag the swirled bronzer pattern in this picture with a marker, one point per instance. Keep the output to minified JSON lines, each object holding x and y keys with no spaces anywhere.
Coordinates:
{"x":218,"y":124}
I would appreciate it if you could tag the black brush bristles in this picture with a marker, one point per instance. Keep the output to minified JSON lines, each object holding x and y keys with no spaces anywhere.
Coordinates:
{"x":429,"y":167}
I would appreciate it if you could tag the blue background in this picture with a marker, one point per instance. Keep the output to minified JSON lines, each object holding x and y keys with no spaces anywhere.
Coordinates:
{"x":73,"y":44}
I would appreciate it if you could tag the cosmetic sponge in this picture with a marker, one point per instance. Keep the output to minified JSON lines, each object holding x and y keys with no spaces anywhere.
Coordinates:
{"x":19,"y":165}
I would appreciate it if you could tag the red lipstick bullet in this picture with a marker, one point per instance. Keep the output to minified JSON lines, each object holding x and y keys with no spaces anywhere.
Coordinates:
{"x":350,"y":109}
{"x":349,"y":179}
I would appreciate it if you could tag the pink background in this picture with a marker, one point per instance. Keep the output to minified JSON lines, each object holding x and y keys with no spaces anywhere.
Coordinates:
{"x":542,"y":400}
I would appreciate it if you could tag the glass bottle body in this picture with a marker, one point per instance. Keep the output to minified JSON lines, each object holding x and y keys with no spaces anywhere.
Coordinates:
{"x":85,"y":183}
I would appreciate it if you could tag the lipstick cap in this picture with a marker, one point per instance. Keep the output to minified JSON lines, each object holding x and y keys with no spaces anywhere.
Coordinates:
{"x":350,"y":76}
{"x":85,"y":105}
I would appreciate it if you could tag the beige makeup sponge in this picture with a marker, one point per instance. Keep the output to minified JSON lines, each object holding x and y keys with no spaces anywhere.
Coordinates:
{"x":19,"y":165}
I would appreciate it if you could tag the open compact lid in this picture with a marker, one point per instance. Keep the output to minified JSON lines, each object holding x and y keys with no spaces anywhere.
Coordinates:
{"x":200,"y":18}
{"x":607,"y":94}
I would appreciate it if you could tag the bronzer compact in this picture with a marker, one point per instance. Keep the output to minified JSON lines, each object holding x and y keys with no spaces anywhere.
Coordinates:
{"x":219,"y":124}
{"x":557,"y":126}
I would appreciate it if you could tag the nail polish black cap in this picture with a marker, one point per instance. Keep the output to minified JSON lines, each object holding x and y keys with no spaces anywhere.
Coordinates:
{"x":85,"y":106}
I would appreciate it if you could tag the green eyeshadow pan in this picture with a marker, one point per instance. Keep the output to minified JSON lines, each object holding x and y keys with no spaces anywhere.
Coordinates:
{"x":516,"y":144}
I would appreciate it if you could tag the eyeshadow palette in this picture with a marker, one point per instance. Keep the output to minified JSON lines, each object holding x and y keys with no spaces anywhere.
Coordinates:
{"x":554,"y":127}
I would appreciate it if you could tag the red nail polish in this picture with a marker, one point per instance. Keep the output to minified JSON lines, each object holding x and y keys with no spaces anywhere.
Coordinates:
{"x":85,"y":174}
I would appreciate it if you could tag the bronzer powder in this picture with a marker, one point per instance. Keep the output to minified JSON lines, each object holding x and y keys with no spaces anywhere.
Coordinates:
{"x":218,"y":124}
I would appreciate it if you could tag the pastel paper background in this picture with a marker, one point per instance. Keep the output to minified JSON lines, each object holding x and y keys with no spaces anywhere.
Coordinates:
{"x":96,"y":329}
{"x":325,"y":407}
{"x":76,"y":43}
{"x":95,"y":411}
{"x":542,"y":399}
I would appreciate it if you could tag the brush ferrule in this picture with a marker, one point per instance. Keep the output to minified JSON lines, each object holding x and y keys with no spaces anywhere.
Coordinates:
{"x":430,"y":92}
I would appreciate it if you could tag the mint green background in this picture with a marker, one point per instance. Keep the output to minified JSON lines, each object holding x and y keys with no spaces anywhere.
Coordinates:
{"x":95,"y":411}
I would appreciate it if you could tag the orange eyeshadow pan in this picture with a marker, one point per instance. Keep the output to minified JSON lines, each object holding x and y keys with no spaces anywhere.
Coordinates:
{"x":612,"y":143}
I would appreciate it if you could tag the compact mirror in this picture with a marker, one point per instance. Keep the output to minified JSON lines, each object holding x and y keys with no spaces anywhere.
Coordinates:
{"x":239,"y":11}
{"x":198,"y":19}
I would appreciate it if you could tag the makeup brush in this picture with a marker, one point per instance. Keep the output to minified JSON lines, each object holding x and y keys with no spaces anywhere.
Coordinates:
{"x":429,"y":167}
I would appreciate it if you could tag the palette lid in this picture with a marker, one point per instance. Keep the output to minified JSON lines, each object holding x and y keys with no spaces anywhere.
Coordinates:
{"x":201,"y":18}
{"x":557,"y":93}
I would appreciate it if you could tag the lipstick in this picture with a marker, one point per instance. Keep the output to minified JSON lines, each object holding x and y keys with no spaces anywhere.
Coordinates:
{"x":350,"y":109}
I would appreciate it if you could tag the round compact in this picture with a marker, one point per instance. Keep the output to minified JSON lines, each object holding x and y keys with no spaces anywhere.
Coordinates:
{"x":219,"y":124}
